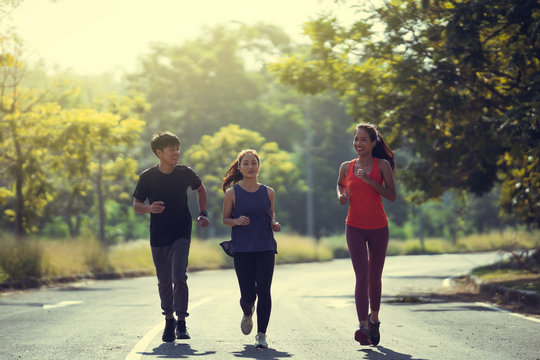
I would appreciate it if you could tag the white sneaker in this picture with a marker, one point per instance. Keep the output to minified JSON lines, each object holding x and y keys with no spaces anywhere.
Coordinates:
{"x":247,"y":322}
{"x":260,"y":341}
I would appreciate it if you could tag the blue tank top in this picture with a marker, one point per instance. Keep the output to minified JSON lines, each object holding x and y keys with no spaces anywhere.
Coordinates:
{"x":258,"y":235}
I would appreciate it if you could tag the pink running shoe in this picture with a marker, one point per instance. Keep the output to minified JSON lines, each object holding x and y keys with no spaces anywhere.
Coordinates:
{"x":362,"y":336}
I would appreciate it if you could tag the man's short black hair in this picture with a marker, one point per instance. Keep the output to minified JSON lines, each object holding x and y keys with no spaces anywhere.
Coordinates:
{"x":162,"y":140}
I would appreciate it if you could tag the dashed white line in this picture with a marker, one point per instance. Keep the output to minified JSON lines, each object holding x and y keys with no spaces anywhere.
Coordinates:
{"x":62,"y":304}
{"x":139,"y":348}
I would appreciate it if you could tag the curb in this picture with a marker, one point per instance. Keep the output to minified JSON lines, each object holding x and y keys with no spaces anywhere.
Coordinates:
{"x":28,"y":284}
{"x":507,"y":295}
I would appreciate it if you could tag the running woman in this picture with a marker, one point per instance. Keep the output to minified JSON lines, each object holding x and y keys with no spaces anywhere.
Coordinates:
{"x":361,"y":183}
{"x":248,"y":208}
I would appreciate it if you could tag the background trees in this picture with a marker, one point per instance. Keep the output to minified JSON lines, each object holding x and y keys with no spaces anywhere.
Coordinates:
{"x":455,"y":84}
{"x":455,"y":127}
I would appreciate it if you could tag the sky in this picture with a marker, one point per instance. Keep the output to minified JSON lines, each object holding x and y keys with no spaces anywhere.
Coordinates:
{"x":91,"y":37}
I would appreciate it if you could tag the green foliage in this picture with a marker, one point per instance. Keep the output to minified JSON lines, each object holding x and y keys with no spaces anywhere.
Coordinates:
{"x":454,"y":83}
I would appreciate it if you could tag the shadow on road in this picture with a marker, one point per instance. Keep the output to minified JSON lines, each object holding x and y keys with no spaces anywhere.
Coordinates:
{"x":176,"y":351}
{"x":252,"y":352}
{"x":385,"y":353}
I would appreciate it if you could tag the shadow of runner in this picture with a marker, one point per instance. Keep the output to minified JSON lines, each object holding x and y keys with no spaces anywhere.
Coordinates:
{"x":176,"y":351}
{"x":386,"y":354}
{"x":252,"y":352}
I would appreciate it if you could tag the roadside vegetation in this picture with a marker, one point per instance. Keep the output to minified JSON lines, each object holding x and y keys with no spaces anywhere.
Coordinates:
{"x":37,"y":261}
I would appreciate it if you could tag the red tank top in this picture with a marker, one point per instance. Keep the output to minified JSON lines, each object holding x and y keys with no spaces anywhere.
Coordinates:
{"x":365,"y":204}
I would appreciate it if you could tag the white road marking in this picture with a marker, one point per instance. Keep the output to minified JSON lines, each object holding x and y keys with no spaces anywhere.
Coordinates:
{"x":447,"y":282}
{"x":493,"y":307}
{"x":62,"y":304}
{"x":139,"y":348}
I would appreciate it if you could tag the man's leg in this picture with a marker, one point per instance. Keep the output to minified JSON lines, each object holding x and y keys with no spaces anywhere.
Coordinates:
{"x":162,"y":262}
{"x":163,"y":265}
{"x":180,"y":254}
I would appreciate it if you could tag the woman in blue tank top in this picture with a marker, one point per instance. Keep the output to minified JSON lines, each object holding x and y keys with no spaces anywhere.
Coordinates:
{"x":249,"y":209}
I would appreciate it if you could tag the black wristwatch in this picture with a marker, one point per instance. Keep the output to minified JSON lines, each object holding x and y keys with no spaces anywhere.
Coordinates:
{"x":203,"y":213}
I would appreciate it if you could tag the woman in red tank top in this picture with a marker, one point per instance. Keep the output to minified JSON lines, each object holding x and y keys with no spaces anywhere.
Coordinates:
{"x":362,"y":182}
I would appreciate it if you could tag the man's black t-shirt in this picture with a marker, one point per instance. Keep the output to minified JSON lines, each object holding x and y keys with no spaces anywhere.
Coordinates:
{"x":175,"y":221}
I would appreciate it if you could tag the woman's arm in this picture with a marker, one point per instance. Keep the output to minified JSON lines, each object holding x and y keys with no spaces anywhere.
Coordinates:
{"x":388,"y":189}
{"x":341,"y":187}
{"x":228,"y":205}
{"x":276,"y":226}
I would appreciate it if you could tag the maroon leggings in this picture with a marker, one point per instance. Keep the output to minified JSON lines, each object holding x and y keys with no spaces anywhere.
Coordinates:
{"x":368,"y":266}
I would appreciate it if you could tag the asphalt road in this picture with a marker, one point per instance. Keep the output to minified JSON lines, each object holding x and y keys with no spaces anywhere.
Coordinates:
{"x":313,"y":317}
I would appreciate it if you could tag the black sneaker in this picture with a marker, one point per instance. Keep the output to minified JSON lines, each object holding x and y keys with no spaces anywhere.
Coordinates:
{"x":181,"y":331}
{"x":374,"y":334}
{"x":168,"y":332}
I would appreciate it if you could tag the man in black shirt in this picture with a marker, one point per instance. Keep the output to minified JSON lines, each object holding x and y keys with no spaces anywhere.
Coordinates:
{"x":165,"y":187}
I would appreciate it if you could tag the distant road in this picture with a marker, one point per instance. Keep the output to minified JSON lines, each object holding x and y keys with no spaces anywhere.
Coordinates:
{"x":313,"y":317}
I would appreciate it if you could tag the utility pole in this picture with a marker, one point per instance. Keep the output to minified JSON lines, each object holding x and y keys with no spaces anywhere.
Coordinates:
{"x":310,"y":217}
{"x":421,"y":228}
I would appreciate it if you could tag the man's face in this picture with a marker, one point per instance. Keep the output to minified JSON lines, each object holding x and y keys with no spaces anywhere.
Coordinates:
{"x":169,"y":155}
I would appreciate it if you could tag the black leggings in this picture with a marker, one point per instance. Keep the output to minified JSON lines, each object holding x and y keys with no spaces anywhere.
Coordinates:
{"x":254,"y":272}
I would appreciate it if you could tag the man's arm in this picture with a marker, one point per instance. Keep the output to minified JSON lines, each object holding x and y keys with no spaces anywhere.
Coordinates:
{"x":141,"y":208}
{"x":201,"y":199}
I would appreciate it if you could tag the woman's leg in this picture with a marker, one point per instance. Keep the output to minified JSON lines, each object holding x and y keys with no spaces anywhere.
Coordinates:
{"x":356,"y":243}
{"x":377,"y":245}
{"x":244,"y":265}
{"x":264,"y":273}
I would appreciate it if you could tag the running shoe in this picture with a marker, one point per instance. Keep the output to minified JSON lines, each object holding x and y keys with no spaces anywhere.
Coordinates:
{"x":362,"y":335}
{"x":168,"y":332}
{"x":260,"y":341}
{"x":181,"y":330}
{"x":247,"y":322}
{"x":374,"y":334}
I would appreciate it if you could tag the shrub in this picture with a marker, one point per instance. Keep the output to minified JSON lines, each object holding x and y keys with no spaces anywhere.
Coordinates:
{"x":20,"y":259}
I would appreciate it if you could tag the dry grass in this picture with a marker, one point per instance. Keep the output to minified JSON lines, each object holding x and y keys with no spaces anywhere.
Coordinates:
{"x":296,"y":248}
{"x":504,"y":240}
{"x":52,"y":258}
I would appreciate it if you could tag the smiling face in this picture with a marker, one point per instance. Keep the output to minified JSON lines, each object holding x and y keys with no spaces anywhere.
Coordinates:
{"x":169,"y":155}
{"x":362,"y":142}
{"x":248,"y":165}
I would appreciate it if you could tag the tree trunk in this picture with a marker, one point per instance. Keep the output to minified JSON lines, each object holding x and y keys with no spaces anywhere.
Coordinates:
{"x":101,"y":202}
{"x":20,"y":231}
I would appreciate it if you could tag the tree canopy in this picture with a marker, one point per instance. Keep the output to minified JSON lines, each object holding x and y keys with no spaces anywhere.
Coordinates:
{"x":455,"y":83}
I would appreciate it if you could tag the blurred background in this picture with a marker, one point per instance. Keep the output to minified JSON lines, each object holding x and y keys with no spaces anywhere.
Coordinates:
{"x":453,"y":87}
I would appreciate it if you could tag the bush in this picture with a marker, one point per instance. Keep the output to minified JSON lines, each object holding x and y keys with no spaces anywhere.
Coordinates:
{"x":20,"y":259}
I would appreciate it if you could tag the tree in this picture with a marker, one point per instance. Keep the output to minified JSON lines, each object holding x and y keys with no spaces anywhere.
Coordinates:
{"x":456,"y":84}
{"x":205,"y":83}
{"x":94,"y":148}
{"x":27,"y":124}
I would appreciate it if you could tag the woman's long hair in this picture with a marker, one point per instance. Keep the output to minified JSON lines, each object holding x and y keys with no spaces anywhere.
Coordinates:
{"x":234,"y":175}
{"x":381,"y":150}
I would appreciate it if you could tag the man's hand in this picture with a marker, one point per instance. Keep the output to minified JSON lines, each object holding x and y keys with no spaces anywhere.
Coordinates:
{"x":157,"y":207}
{"x":203,"y":221}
